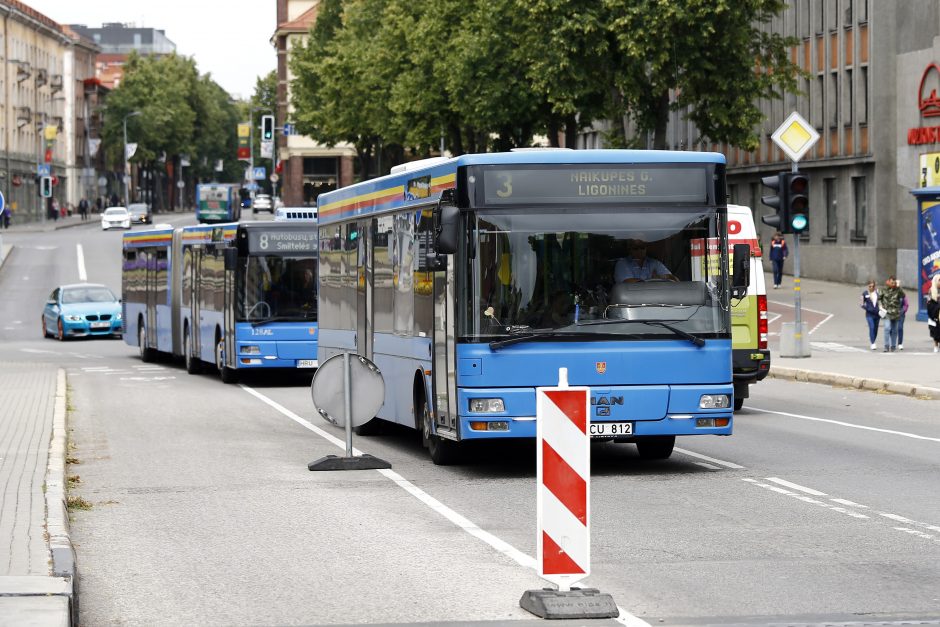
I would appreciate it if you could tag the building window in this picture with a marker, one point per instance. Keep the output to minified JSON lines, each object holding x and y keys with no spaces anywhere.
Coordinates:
{"x":817,"y":111}
{"x":848,"y":12}
{"x":832,"y":223}
{"x":833,"y":14}
{"x":733,"y":194}
{"x":861,"y":7}
{"x":804,"y":18}
{"x":820,"y":17}
{"x":860,"y":198}
{"x":755,"y":196}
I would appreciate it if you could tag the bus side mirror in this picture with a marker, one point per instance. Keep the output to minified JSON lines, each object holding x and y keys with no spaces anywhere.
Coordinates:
{"x":230,"y":258}
{"x":447,"y":230}
{"x":741,"y":272}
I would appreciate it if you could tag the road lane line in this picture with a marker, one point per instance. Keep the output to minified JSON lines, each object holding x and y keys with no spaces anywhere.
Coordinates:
{"x":849,"y":503}
{"x":796,"y":486}
{"x":82,"y":275}
{"x":709,"y":459}
{"x":824,"y":321}
{"x":526,"y":561}
{"x":847,"y":424}
{"x":804,"y":498}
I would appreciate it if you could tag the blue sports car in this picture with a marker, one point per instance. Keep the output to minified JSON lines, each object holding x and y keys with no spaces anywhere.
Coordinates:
{"x":80,"y":310}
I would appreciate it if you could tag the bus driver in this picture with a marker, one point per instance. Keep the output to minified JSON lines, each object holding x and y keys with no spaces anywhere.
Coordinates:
{"x":639,"y":267}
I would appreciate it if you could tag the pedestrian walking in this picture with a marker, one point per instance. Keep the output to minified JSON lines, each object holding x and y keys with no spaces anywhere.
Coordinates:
{"x":778,"y":253}
{"x":933,"y":312}
{"x":891,"y":298}
{"x":904,"y":305}
{"x":83,"y":208}
{"x":5,"y":217}
{"x":872,"y":308}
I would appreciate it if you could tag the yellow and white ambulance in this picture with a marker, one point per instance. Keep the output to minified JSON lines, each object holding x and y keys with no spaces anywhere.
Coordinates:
{"x":750,"y":354}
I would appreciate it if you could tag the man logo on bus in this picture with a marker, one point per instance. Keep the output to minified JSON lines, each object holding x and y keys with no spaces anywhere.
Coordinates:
{"x":600,"y":366}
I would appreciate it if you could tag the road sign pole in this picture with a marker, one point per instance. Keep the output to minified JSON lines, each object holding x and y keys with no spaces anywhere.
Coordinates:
{"x":797,"y":292}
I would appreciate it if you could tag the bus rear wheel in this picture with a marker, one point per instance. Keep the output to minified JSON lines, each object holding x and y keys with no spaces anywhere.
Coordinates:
{"x":443,"y":452}
{"x":655,"y":447}
{"x":146,"y":354}
{"x":192,"y":364}
{"x":228,"y":375}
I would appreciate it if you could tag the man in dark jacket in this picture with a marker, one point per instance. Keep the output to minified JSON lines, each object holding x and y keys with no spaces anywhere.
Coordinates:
{"x":778,"y":252}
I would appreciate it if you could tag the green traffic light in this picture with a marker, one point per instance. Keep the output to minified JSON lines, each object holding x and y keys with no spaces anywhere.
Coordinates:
{"x":798,"y":222}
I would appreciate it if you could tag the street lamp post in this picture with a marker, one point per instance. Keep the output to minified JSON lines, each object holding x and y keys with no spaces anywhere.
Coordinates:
{"x":126,"y":177}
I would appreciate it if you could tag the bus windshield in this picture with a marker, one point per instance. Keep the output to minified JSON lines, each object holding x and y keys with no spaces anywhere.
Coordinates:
{"x":274,"y":287}
{"x":621,"y":272}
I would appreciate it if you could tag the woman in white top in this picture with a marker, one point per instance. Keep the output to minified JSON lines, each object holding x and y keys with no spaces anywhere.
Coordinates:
{"x":870,"y":305}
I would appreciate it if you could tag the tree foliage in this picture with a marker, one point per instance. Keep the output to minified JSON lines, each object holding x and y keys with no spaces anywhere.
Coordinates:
{"x":396,"y":77}
{"x":181,"y":113}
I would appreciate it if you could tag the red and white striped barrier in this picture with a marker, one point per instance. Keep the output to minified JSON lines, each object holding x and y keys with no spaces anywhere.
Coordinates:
{"x":564,"y":483}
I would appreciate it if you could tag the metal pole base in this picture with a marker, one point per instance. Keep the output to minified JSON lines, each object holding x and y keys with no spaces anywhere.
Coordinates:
{"x":574,"y":603}
{"x":794,"y":340}
{"x":356,"y":462}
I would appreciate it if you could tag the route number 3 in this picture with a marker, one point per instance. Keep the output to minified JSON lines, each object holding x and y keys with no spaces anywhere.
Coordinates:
{"x":506,"y":190}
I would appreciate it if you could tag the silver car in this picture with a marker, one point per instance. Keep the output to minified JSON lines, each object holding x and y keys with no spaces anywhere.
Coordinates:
{"x":262,"y":202}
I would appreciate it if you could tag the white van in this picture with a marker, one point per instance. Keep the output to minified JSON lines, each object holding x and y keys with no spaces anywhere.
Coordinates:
{"x":750,"y":354}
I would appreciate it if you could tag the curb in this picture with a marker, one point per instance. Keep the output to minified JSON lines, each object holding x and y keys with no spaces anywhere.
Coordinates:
{"x":860,"y":383}
{"x":57,"y":515}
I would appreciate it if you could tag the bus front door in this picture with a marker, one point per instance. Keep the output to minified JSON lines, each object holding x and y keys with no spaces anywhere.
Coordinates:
{"x":444,"y":363}
{"x":364,"y":286}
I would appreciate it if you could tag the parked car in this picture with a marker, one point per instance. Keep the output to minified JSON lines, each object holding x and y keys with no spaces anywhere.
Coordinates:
{"x":81,"y":310}
{"x":140,"y":213}
{"x":262,"y":202}
{"x":115,"y":217}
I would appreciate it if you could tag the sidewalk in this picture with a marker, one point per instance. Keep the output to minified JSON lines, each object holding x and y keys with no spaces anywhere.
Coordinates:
{"x":38,"y":578}
{"x":839,"y":347}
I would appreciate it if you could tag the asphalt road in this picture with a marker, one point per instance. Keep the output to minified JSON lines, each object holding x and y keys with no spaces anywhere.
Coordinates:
{"x":823,"y":507}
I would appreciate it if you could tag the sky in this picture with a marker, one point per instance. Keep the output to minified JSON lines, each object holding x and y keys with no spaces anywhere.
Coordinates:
{"x":229,"y":39}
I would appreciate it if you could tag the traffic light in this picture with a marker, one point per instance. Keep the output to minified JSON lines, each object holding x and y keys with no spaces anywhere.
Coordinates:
{"x":45,"y":186}
{"x":778,"y":201}
{"x":798,"y":202}
{"x":267,"y":127}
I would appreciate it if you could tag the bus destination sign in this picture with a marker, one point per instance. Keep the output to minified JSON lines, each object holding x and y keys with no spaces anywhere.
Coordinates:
{"x":281,"y":242}
{"x":595,"y":184}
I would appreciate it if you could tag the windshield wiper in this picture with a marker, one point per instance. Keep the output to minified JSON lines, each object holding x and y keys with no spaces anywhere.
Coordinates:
{"x":683,"y":334}
{"x":258,"y":323}
{"x":535,"y":334}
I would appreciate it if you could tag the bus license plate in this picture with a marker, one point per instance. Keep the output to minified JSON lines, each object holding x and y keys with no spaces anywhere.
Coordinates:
{"x":306,"y":363}
{"x":611,"y":429}
{"x":100,"y":325}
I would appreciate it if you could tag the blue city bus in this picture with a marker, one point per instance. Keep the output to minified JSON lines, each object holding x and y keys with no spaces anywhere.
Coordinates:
{"x":470,"y":281}
{"x":236,"y":296}
{"x":218,"y":202}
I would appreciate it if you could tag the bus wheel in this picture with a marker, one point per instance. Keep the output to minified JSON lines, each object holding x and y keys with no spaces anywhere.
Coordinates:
{"x":227,"y":374}
{"x":146,"y":354}
{"x":658,"y":447}
{"x":192,"y":364}
{"x":738,"y":403}
{"x":443,"y":452}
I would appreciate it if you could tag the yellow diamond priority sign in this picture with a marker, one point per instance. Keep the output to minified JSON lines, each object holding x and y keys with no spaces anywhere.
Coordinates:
{"x":795,"y":136}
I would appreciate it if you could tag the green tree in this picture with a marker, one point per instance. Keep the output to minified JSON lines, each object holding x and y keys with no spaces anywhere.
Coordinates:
{"x":713,"y":55}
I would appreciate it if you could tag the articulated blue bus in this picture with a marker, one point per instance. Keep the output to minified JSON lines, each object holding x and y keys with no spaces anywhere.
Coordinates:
{"x":236,"y":296}
{"x":470,"y":281}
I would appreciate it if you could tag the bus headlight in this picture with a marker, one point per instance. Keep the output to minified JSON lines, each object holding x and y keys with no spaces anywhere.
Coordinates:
{"x":487,"y":405}
{"x":250,"y":349}
{"x":714,"y":401}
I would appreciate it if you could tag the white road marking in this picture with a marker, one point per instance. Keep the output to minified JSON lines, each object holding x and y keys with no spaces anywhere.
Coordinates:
{"x":835,"y":347}
{"x":709,"y":459}
{"x":796,"y":486}
{"x":849,"y":503}
{"x":82,"y":275}
{"x":771,"y":318}
{"x":526,"y":561}
{"x":904,"y":434}
{"x":709,"y":466}
{"x":822,"y":322}
{"x":804,"y":498}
